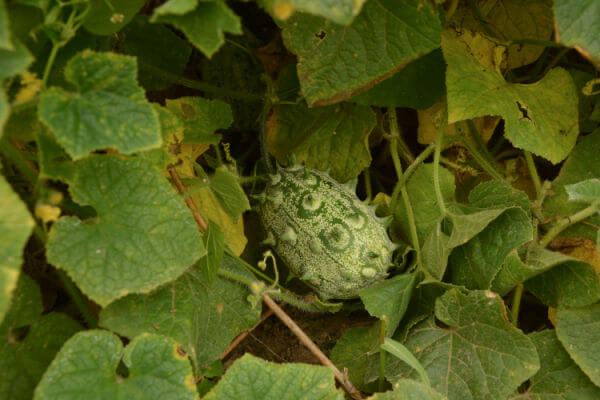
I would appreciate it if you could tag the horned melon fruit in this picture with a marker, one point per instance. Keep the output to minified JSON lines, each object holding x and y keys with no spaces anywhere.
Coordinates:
{"x":324,"y":233}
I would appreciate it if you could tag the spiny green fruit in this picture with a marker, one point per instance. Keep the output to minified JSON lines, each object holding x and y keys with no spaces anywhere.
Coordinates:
{"x":324,"y":233}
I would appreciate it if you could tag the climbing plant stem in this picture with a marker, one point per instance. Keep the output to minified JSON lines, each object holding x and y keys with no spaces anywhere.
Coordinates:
{"x":436,"y":167}
{"x":199,"y":85}
{"x":516,"y":304}
{"x":564,"y":223}
{"x":408,"y":173}
{"x":405,"y":198}
{"x":537,"y":183}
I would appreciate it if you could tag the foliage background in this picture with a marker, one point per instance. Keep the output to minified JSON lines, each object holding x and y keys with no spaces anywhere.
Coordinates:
{"x":473,"y":124}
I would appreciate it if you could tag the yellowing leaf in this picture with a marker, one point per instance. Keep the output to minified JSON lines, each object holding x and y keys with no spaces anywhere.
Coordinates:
{"x":210,"y":207}
{"x":430,"y":119}
{"x":540,"y":117}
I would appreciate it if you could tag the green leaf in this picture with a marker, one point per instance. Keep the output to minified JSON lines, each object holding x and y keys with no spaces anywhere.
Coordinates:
{"x":334,"y":137}
{"x":203,"y":318}
{"x":578,"y":25}
{"x":559,"y":280}
{"x":25,"y":306}
{"x":54,"y":162}
{"x":389,"y":298}
{"x":156,"y":370}
{"x":419,"y":85}
{"x":559,"y":378}
{"x":214,"y":242}
{"x":581,"y":165}
{"x":474,"y":228}
{"x":14,"y":61}
{"x":479,"y":356}
{"x":251,"y":378}
{"x":407,"y":389}
{"x":476,"y":263}
{"x":499,"y":194}
{"x":225,"y":186}
{"x":515,"y":271}
{"x":23,"y":360}
{"x":93,"y":117}
{"x":339,"y":11}
{"x":16,"y":225}
{"x":11,"y":62}
{"x":422,"y":305}
{"x":540,"y":117}
{"x":578,"y":329}
{"x":177,"y":7}
{"x":201,"y":118}
{"x":172,"y":128}
{"x":106,"y":18}
{"x":336,"y":62}
{"x":587,"y":191}
{"x":511,"y":20}
{"x":5,"y":42}
{"x":355,"y":349}
{"x":423,"y":200}
{"x":165,"y":51}
{"x":435,"y":252}
{"x":399,"y":351}
{"x":143,"y":236}
{"x":204,"y":26}
{"x":468,"y":221}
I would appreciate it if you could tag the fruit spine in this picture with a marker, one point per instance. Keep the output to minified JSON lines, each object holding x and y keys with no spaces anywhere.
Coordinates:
{"x":324,"y":233}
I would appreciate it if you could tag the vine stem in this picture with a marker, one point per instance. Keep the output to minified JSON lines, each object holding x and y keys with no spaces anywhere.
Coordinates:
{"x":306,"y":341}
{"x":566,"y":222}
{"x":408,"y":173}
{"x":50,"y":62}
{"x":485,"y":161}
{"x":395,"y":134}
{"x":199,"y":85}
{"x":537,"y":183}
{"x":516,"y":305}
{"x":436,"y":166}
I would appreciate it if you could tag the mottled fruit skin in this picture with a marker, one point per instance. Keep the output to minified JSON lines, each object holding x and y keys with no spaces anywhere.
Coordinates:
{"x":324,"y":233}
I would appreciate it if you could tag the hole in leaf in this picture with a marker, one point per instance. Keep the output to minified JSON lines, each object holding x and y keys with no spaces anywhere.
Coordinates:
{"x":524,"y":111}
{"x":321,"y":35}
